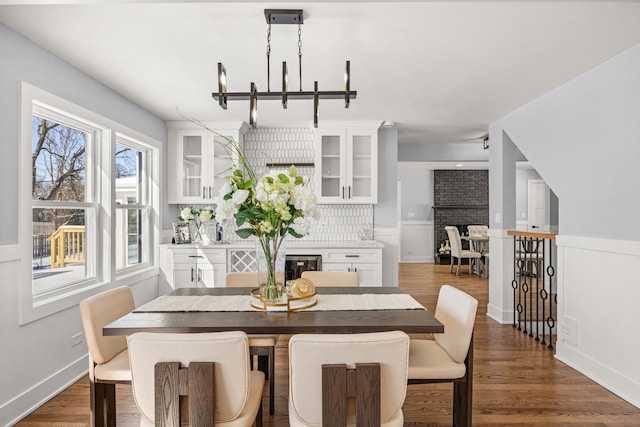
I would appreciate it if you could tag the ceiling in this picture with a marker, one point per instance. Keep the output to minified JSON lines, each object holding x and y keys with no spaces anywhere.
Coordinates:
{"x":441,"y":71}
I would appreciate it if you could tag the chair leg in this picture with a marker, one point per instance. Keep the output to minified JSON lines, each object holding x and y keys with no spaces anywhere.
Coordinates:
{"x":103,"y":404}
{"x":451,"y":264}
{"x":258,"y":421}
{"x":266,"y":364}
{"x":458,"y":269}
{"x":272,"y":378}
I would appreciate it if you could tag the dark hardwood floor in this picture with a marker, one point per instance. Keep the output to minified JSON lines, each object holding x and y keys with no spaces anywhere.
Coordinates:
{"x":517,"y":382}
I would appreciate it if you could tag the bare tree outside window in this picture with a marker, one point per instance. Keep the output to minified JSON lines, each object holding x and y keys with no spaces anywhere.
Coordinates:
{"x":58,"y":170}
{"x":58,"y":188}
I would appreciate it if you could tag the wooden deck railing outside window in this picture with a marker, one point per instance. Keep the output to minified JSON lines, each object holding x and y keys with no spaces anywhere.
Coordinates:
{"x":67,"y":245}
{"x":535,"y":298}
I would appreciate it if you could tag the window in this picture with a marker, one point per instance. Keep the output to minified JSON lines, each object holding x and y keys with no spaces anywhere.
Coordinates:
{"x":64,"y":209}
{"x":132,"y":203}
{"x":92,"y":216}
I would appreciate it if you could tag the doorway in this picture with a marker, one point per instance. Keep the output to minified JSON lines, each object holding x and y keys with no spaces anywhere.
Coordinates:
{"x":537,"y":205}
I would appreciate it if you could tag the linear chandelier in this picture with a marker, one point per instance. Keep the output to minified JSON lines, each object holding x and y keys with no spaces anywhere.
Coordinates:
{"x":282,"y":16}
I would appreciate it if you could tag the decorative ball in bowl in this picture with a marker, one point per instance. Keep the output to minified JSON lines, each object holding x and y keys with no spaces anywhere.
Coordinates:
{"x":301,"y":288}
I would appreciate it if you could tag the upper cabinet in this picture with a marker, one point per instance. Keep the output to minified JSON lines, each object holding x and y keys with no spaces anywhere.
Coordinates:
{"x":199,"y":159}
{"x":346,"y":168}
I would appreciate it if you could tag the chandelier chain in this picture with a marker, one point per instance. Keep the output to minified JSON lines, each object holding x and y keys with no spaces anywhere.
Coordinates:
{"x":268,"y":57}
{"x":300,"y":53}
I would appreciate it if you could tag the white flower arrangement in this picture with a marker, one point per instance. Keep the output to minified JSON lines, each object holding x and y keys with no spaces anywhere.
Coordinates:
{"x":280,"y":203}
{"x":191,"y":213}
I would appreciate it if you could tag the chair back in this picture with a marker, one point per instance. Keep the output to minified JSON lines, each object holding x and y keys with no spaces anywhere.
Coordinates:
{"x":100,"y":310}
{"x":242,"y":279}
{"x":457,"y":311}
{"x":454,"y":240}
{"x":478,"y":230}
{"x":229,"y":351}
{"x":333,"y":278}
{"x":308,"y":352}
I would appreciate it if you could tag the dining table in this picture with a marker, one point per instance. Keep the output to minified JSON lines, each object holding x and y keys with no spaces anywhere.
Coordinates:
{"x":414,"y":320}
{"x":479,"y":243}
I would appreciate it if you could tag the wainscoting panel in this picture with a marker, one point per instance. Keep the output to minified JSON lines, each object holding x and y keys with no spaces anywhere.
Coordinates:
{"x":598,"y":293}
{"x":390,"y":254}
{"x":416,"y":241}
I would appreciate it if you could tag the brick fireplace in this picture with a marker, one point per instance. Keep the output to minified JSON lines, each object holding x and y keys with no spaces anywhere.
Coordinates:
{"x":460,"y":198}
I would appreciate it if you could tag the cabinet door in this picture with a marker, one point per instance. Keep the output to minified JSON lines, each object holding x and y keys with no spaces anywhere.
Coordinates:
{"x":369,"y":274}
{"x":219,"y":275}
{"x":222,"y":159}
{"x":191,"y":147}
{"x":198,"y":162}
{"x":206,"y":278}
{"x":346,"y":166}
{"x":331,"y":166}
{"x":362,"y":176}
{"x":330,"y":266}
{"x":184,"y":277}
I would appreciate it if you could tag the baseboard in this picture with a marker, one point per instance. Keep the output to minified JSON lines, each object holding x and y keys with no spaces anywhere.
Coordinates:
{"x":621,"y":385}
{"x":503,"y":317}
{"x":23,"y":404}
{"x":415,"y":259}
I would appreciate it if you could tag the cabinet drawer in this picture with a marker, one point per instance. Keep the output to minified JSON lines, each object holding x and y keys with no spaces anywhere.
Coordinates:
{"x":354,"y":255}
{"x":202,"y":256}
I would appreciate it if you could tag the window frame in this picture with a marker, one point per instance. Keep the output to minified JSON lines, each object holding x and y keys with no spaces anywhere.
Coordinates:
{"x":100,"y":197}
{"x":144,"y":205}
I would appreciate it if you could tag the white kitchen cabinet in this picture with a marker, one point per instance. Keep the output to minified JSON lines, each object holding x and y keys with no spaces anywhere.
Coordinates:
{"x":199,"y":160}
{"x":196,"y":267}
{"x":346,"y":167}
{"x":366,"y":262}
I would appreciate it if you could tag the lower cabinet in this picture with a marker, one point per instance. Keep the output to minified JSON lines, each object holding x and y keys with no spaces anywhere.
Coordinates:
{"x":190,"y":266}
{"x":196,"y":267}
{"x":366,"y":262}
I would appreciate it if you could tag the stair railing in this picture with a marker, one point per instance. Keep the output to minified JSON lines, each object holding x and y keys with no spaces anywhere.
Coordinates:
{"x":535,"y":298}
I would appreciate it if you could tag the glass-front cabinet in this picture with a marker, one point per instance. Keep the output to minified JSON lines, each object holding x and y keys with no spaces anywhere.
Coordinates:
{"x":198,"y":161}
{"x":346,"y":166}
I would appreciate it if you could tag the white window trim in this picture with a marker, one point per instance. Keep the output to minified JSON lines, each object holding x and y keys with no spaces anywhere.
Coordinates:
{"x":30,"y":308}
{"x":146,"y":205}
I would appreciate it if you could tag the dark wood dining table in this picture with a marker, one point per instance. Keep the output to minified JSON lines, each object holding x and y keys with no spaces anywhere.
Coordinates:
{"x":411,"y":321}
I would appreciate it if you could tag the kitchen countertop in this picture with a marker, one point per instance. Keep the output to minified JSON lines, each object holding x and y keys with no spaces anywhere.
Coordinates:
{"x":291,"y":243}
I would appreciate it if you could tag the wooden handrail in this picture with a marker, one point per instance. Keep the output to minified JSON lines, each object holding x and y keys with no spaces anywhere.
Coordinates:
{"x":531,"y":234}
{"x":67,"y":245}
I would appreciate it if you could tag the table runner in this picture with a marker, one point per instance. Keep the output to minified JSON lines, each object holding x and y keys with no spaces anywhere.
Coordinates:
{"x":326,"y":302}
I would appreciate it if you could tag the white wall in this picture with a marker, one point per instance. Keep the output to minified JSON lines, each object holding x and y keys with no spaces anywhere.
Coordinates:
{"x":37,"y":359}
{"x":583,"y":139}
{"x":417,"y":192}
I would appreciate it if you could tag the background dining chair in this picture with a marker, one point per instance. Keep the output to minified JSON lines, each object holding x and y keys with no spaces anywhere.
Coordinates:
{"x":445,"y":358}
{"x":309,"y":353}
{"x":261,"y":346}
{"x":108,"y":357}
{"x":458,"y":252}
{"x":237,"y":389}
{"x":332,"y":278}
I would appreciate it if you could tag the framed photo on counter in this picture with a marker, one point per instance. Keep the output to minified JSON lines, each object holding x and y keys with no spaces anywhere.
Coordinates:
{"x":181,"y":233}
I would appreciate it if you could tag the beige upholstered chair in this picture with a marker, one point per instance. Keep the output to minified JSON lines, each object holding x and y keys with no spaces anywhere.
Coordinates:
{"x":237,"y":279}
{"x":237,"y":389}
{"x":108,"y":357}
{"x":262,"y":346}
{"x":445,"y":358}
{"x":478,"y":230}
{"x":458,"y":252}
{"x":333,"y":278}
{"x":310,"y":354}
